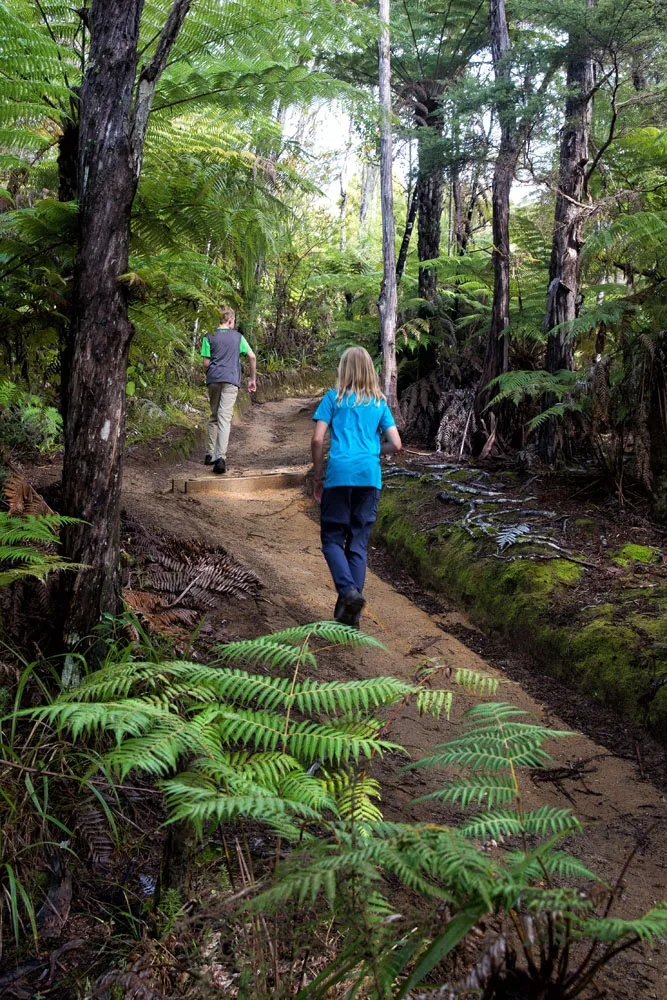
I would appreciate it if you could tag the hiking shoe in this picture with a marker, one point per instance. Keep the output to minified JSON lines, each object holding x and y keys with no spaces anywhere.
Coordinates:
{"x":353,"y":602}
{"x":345,"y":617}
{"x":208,"y":459}
{"x":220,"y":466}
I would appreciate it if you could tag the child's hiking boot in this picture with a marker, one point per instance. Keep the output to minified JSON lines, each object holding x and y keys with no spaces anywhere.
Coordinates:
{"x":208,"y":459}
{"x":220,"y":466}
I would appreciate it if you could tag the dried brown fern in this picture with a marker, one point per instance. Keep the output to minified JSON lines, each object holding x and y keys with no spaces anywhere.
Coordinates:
{"x":159,"y":616}
{"x":23,"y":498}
{"x":92,"y":828}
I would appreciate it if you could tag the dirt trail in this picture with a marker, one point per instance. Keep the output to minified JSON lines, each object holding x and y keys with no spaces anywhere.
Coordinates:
{"x":274,"y":534}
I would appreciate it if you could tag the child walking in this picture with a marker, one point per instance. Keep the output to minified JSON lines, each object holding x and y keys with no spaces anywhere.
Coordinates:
{"x":358,"y":419}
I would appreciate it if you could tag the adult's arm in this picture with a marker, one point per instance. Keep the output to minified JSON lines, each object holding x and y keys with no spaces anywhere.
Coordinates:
{"x":317,"y":451}
{"x":252,"y":381}
{"x":392,"y":442}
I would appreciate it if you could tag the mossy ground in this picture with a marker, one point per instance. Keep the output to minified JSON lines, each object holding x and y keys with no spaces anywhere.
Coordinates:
{"x":614,"y":649}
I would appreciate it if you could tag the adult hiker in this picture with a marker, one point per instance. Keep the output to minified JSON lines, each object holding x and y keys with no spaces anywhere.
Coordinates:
{"x":222,"y":352}
{"x":361,"y":428}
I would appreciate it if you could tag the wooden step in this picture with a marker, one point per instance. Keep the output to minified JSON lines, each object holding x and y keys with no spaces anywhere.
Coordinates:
{"x":240,"y":484}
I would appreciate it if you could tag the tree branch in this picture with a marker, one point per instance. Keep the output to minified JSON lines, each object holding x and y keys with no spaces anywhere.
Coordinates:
{"x":610,"y":135}
{"x":150,"y":75}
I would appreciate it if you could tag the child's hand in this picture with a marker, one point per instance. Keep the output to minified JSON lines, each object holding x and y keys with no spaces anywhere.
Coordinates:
{"x":252,"y":385}
{"x":318,"y":486}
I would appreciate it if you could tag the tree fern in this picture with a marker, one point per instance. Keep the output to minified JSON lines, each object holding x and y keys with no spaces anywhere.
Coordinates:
{"x":211,"y":729}
{"x":20,"y":552}
{"x":443,"y":863}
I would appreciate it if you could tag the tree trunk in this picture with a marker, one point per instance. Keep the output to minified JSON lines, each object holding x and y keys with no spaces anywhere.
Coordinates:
{"x":388,"y":303}
{"x":430,"y":186}
{"x":68,"y":190}
{"x":113,"y":122}
{"x":463,"y":214}
{"x":342,"y":213}
{"x":458,"y":216}
{"x":68,"y":162}
{"x":177,"y":861}
{"x":369,"y":178}
{"x":657,"y":428}
{"x":565,"y":266}
{"x":497,"y":347}
{"x":407,"y":234}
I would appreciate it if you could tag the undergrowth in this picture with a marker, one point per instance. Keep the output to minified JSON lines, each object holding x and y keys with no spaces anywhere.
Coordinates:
{"x":279,"y":876}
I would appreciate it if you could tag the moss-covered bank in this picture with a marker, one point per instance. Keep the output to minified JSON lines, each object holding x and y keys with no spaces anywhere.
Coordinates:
{"x":611,"y":651}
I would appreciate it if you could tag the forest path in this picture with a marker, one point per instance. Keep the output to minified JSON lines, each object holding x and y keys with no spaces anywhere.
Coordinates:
{"x":275,"y":534}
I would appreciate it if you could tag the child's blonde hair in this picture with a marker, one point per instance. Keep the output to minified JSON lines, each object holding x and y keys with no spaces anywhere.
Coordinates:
{"x":356,"y":374}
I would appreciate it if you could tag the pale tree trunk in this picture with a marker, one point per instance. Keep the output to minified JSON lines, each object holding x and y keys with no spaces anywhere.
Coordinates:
{"x":114,"y":117}
{"x":388,"y":303}
{"x":497,"y":347}
{"x":369,"y":179}
{"x":342,"y":212}
{"x":565,"y":266}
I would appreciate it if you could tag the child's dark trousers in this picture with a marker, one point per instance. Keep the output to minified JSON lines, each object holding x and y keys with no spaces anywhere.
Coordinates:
{"x":347,"y":516}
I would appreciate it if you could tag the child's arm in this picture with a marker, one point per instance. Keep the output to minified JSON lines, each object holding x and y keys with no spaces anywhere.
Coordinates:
{"x":317,"y":451}
{"x":392,"y":442}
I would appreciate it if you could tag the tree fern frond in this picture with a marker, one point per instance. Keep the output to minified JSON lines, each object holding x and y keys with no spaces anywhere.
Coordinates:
{"x":265,"y":652}
{"x":348,"y":696}
{"x":333,"y":632}
{"x":541,"y":822}
{"x":649,"y":927}
{"x":434,"y":702}
{"x":477,"y":789}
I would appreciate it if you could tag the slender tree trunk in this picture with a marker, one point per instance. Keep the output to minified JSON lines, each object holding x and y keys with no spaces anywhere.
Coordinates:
{"x":342,"y":213}
{"x":458,"y":216}
{"x":407,"y":234}
{"x":68,"y":162}
{"x":388,"y":303}
{"x":497,"y":347}
{"x":565,"y":266}
{"x":114,"y":117}
{"x":657,"y":428}
{"x":430,"y":186}
{"x":369,"y":178}
{"x":68,"y":190}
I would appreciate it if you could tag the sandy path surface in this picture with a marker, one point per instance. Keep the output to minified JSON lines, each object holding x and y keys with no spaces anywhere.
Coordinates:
{"x":275,"y":534}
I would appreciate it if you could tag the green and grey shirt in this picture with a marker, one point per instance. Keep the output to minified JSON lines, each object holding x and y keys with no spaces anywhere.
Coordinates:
{"x":224,"y":348}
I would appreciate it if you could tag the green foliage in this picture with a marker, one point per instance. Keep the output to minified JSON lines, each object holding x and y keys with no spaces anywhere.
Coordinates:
{"x":522,"y":886}
{"x":26,"y":423}
{"x":226,"y":743}
{"x":26,"y":547}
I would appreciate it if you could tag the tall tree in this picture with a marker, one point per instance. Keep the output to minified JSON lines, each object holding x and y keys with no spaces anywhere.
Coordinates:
{"x":497,"y":345}
{"x":430,"y":186}
{"x":113,"y":121}
{"x":565,"y":266}
{"x":388,"y":303}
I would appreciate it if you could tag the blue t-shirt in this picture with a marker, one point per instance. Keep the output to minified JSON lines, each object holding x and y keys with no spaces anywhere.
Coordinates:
{"x":354,"y":455}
